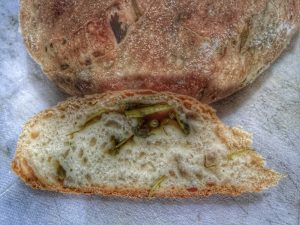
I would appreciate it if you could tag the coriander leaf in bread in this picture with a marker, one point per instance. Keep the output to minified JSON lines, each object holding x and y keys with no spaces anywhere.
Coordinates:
{"x":205,"y":49}
{"x":138,"y":144}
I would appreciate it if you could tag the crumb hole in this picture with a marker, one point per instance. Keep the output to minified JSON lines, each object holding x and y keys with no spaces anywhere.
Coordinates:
{"x":103,"y":145}
{"x":129,"y":151}
{"x":64,"y":66}
{"x":142,"y":154}
{"x":66,"y":154}
{"x":88,"y":177}
{"x":93,"y":141}
{"x":85,"y":160}
{"x":80,"y":154}
{"x":88,"y":62}
{"x":148,"y":166}
{"x":97,"y":54}
{"x":112,"y":124}
{"x":172,"y":173}
{"x":199,"y":176}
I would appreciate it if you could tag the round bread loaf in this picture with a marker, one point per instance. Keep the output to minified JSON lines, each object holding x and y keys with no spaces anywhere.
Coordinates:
{"x":203,"y":48}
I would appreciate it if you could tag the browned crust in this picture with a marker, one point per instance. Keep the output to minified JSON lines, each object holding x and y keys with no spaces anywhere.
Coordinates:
{"x":232,"y":137}
{"x":34,"y":182}
{"x":205,"y":49}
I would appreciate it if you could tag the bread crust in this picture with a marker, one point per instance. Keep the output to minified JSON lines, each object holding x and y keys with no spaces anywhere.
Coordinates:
{"x":234,"y":138}
{"x":205,"y":49}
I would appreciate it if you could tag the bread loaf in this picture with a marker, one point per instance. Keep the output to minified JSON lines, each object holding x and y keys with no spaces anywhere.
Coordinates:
{"x":205,"y":49}
{"x":138,"y":144}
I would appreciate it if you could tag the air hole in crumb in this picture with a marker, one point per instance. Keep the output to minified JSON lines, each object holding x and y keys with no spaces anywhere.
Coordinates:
{"x":103,"y":145}
{"x":64,"y":66}
{"x":142,"y":154}
{"x":85,"y":160}
{"x":93,"y":141}
{"x":80,"y":154}
{"x":129,"y":151}
{"x":121,"y":178}
{"x":62,"y":116}
{"x":199,"y":176}
{"x":97,"y":54}
{"x":112,"y":124}
{"x":148,"y":166}
{"x":153,"y":154}
{"x":172,"y":173}
{"x":66,"y":154}
{"x":210,"y":183}
{"x":88,"y":62}
{"x":213,"y":97}
{"x":88,"y":177}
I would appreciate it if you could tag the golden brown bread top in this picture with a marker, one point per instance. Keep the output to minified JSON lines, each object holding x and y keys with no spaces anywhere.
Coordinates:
{"x":206,"y":49}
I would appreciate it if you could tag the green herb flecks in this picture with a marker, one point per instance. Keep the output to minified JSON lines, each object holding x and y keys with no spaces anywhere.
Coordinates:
{"x":184,"y":126}
{"x":116,"y":146}
{"x":156,"y":185}
{"x":209,"y":161}
{"x":148,"y":110}
{"x":91,"y":119}
{"x":231,"y":155}
{"x":60,"y":171}
{"x":70,"y":144}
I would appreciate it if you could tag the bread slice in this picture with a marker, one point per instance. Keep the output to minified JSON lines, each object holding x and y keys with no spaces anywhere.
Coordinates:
{"x":138,"y":144}
{"x":202,"y":48}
